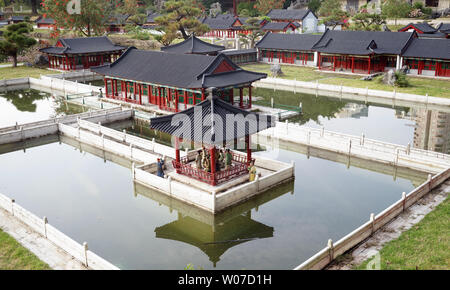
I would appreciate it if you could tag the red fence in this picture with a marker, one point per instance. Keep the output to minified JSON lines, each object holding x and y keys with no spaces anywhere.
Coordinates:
{"x":238,"y":168}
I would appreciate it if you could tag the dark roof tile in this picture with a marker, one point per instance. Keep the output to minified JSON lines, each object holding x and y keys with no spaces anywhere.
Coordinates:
{"x":356,"y":42}
{"x":84,"y":45}
{"x":297,"y":42}
{"x":288,"y":14}
{"x":191,"y":71}
{"x":193,"y":45}
{"x":228,"y":129}
{"x":428,"y":48}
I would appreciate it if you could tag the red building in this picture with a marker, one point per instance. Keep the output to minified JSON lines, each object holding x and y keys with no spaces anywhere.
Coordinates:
{"x":361,"y":51}
{"x":429,"y":57}
{"x":175,"y":81}
{"x":280,"y":27}
{"x":217,"y":123}
{"x":287,"y":48}
{"x":82,"y":53}
{"x":47,"y":23}
{"x":423,"y":30}
{"x":225,"y":26}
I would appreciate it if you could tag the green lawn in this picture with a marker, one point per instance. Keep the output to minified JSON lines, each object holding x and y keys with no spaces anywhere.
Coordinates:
{"x":424,"y":246}
{"x":22,"y":72}
{"x":15,"y":257}
{"x":419,"y":86}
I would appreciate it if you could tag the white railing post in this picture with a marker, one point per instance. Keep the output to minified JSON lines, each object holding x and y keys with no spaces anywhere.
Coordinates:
{"x":45,"y":221}
{"x":362,"y":139}
{"x":85,"y":247}
{"x":330,"y":249}
{"x":404,"y":200}
{"x":287,"y":127}
{"x":131,"y":151}
{"x":349,"y":147}
{"x":372,"y":220}
{"x":12,"y":206}
{"x":133,"y":170}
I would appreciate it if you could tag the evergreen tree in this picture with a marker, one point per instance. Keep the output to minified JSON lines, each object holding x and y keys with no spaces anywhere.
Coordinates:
{"x":16,"y":40}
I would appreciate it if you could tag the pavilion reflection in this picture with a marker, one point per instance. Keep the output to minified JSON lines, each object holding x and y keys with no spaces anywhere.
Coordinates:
{"x":214,"y":234}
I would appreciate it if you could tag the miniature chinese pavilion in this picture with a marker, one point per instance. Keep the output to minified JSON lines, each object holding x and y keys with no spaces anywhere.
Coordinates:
{"x":82,"y":53}
{"x":173,"y":81}
{"x":195,"y":46}
{"x":213,"y":123}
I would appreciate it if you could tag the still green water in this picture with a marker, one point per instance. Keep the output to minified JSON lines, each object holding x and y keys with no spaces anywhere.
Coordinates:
{"x":95,"y":200}
{"x":28,"y":105}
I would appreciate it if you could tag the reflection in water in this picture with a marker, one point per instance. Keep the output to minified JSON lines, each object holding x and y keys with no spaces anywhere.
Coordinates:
{"x":432,"y":131}
{"x":215,"y":234}
{"x":28,"y":105}
{"x":93,"y":200}
{"x":416,"y":124}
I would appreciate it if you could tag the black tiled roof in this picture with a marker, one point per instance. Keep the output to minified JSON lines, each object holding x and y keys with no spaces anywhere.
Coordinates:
{"x":288,"y":14}
{"x":17,"y":18}
{"x":46,"y":21}
{"x":428,"y":48}
{"x":296,"y":42}
{"x":276,"y":25}
{"x":363,"y":42}
{"x":221,"y":21}
{"x":444,"y":28}
{"x":83,"y":45}
{"x":193,"y":45}
{"x":424,"y":27}
{"x":228,"y":129}
{"x":190,"y":71}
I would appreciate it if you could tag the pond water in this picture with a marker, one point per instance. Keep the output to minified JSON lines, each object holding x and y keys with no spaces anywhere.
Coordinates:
{"x":95,"y":200}
{"x":28,"y":105}
{"x":422,"y":127}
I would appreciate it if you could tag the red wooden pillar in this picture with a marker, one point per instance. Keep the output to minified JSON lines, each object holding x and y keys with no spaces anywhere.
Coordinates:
{"x":140,"y":94}
{"x":203,"y":94}
{"x":353,"y":64}
{"x":106,"y":86}
{"x":150,"y":94}
{"x":102,"y":61}
{"x":334,"y":63}
{"x":126,"y":90}
{"x":176,"y":100}
{"x":249,"y":150}
{"x":185,"y":99}
{"x":241,"y":97}
{"x":177,"y":153}
{"x":250,"y":97}
{"x":213,"y":164}
{"x":320,"y":60}
{"x":368,"y":71}
{"x":158,"y":100}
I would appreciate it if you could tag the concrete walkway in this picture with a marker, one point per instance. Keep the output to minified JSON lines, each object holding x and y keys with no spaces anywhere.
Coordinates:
{"x":45,"y":250}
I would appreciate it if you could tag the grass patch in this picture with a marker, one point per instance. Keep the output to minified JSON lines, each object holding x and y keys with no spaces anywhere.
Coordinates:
{"x":418,"y":86}
{"x":424,"y":246}
{"x":23,"y":72}
{"x":14,"y":256}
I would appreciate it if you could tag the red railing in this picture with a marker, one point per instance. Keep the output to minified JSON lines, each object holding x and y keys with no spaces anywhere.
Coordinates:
{"x":238,"y":168}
